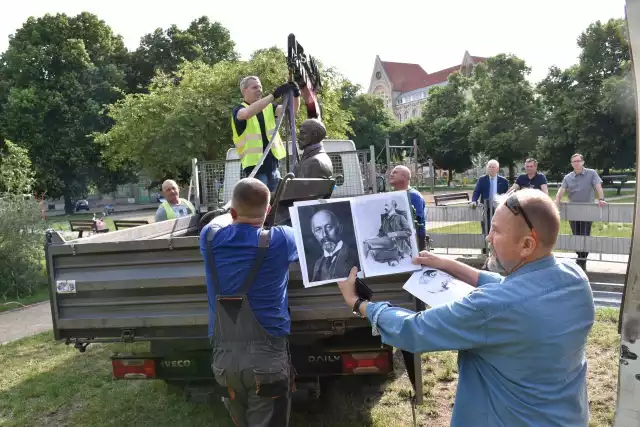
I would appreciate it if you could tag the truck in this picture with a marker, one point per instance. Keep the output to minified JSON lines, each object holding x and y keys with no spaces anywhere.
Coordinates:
{"x":147,"y":285}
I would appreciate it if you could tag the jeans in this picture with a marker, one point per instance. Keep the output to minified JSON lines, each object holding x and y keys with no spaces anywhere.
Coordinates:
{"x":270,"y":179}
{"x":581,"y":228}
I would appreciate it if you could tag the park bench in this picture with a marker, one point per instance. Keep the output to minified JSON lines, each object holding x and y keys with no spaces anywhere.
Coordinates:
{"x":129,"y":223}
{"x":82,"y":225}
{"x":450,"y":197}
{"x":614,"y":181}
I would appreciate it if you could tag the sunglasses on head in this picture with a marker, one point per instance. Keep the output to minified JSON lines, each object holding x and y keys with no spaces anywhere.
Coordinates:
{"x":514,"y":206}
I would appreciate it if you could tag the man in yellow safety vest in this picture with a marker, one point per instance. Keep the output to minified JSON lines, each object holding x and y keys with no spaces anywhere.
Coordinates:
{"x":173,"y":206}
{"x":254,"y":122}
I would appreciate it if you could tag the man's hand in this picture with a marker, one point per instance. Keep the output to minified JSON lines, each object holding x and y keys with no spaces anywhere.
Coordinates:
{"x":428,"y":259}
{"x":473,"y":204}
{"x":282,"y":89}
{"x":601,"y":203}
{"x":348,"y":288}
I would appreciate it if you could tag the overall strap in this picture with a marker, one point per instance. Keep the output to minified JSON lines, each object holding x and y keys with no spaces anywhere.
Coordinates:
{"x":263,"y":247}
{"x":209,"y":259}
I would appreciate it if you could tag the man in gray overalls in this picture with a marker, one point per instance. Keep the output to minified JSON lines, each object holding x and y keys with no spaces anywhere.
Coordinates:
{"x":247,"y":271}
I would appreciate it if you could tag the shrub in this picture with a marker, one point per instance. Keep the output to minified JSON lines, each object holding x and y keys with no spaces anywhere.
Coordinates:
{"x":21,"y":246}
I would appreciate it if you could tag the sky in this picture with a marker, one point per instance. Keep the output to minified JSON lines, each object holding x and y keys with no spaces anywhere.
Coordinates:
{"x":349,"y":34}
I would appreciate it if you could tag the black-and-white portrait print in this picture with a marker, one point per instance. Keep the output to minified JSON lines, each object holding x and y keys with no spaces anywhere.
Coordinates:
{"x":384,"y":224}
{"x":329,"y":241}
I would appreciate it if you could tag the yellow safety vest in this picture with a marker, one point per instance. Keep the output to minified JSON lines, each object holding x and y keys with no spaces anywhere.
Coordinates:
{"x":169,"y":209}
{"x":249,"y":144}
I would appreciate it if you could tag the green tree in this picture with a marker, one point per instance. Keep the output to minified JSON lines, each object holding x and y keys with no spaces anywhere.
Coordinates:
{"x":163,"y":130}
{"x":15,"y":169}
{"x":445,"y":125}
{"x":504,"y":113}
{"x":590,"y":108}
{"x":350,"y":93}
{"x":165,"y":50}
{"x":372,"y":122}
{"x":58,"y":72}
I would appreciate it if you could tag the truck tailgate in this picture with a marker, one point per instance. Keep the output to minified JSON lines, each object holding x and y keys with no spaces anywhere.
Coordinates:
{"x":112,"y":288}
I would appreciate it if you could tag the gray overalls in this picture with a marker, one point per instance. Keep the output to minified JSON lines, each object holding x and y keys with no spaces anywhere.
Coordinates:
{"x":253,"y":365}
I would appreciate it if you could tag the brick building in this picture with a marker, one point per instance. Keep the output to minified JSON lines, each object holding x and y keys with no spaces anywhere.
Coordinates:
{"x":405,"y":87}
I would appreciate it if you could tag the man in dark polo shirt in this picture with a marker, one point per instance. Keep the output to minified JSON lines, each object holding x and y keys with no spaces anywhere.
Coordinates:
{"x":579,"y":186}
{"x":531,"y":179}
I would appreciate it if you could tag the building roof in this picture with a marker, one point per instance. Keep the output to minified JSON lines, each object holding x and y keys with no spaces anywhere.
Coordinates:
{"x":407,"y":77}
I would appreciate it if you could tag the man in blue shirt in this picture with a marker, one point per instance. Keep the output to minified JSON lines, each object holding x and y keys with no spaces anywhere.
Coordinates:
{"x":531,"y":179}
{"x":247,"y":274}
{"x":520,"y":338}
{"x":399,"y":179}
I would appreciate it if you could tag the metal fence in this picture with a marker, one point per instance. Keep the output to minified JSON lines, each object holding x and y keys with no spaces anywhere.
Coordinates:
{"x":458,"y":229}
{"x":351,"y":169}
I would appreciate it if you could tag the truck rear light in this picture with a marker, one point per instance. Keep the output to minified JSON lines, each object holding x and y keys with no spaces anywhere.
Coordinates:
{"x":134,"y":368}
{"x":366,"y":363}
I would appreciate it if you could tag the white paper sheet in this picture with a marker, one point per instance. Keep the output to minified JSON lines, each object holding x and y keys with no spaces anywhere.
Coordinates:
{"x":435,"y":287}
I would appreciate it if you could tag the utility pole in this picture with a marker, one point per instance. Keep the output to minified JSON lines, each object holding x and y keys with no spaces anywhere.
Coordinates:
{"x":388,"y":150}
{"x":433,"y":176}
{"x":415,"y":159}
{"x":372,"y":170}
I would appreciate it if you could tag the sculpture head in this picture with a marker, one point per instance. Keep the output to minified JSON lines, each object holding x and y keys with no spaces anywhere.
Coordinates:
{"x":312,"y":131}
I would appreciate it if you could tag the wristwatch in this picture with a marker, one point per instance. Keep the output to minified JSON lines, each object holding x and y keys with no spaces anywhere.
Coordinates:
{"x":356,"y":307}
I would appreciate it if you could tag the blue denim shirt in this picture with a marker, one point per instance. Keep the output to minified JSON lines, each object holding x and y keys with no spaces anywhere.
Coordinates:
{"x":521,"y":342}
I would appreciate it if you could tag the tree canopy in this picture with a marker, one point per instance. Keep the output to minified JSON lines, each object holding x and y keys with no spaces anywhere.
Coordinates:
{"x":15,"y":169}
{"x":58,"y":73}
{"x":504,"y":113}
{"x":164,"y":50}
{"x":590,"y":107}
{"x":163,"y":130}
{"x":445,"y":125}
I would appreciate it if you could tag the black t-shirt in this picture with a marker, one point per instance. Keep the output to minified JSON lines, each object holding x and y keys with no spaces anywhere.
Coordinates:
{"x":270,"y":163}
{"x":536,"y":182}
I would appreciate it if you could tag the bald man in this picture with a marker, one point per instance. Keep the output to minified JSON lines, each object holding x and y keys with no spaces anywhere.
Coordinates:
{"x":520,"y":336}
{"x":314,"y":162}
{"x":173,"y":206}
{"x":249,"y":338}
{"x":399,"y":179}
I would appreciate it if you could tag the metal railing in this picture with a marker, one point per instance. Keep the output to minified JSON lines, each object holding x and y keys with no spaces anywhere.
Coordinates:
{"x":457,"y":229}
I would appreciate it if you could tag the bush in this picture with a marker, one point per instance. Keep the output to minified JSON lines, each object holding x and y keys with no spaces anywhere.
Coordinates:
{"x":21,"y":247}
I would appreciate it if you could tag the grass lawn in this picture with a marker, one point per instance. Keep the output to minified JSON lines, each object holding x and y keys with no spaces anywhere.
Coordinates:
{"x":45,"y":383}
{"x":41,"y":294}
{"x":624,"y":200}
{"x":61,"y":222}
{"x":602,"y":229}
